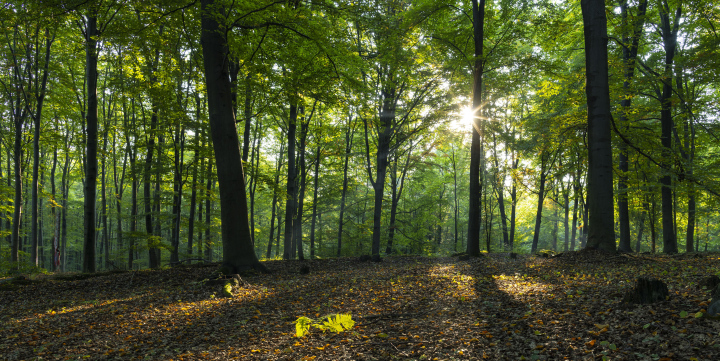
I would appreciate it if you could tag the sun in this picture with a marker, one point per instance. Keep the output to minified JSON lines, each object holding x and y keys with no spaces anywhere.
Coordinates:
{"x":462,"y":120}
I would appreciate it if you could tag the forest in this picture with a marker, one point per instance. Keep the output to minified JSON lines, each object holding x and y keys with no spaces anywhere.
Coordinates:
{"x":359,"y":180}
{"x":362,"y":128}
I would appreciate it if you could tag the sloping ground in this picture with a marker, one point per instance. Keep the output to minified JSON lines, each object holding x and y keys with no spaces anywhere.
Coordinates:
{"x":405,"y":308}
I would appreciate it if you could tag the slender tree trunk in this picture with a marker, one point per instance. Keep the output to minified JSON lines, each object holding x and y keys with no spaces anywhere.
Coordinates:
{"x":315,"y":200}
{"x":348,"y":148}
{"x":385,"y":132}
{"x":541,"y":199}
{"x":576,"y":196}
{"x":631,"y":41}
{"x":513,"y":207}
{"x":278,"y":167}
{"x":193,"y":193}
{"x":291,"y":187}
{"x":566,"y":219}
{"x":601,"y":233}
{"x":18,"y":201}
{"x":298,"y":237}
{"x":476,"y":153}
{"x":641,"y":227}
{"x":248,"y":117}
{"x":500,"y":190}
{"x":91,"y":59}
{"x":179,"y":144}
{"x":103,"y":197}
{"x":456,"y":205}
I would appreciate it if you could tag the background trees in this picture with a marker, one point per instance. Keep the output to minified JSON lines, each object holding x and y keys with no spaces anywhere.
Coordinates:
{"x":374,"y":97}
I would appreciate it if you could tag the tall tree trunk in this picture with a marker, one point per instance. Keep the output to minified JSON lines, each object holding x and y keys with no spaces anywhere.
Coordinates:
{"x":237,"y":243}
{"x":566,"y":218}
{"x":500,"y":190}
{"x":576,"y":200}
{"x":103,"y":197}
{"x":385,"y":128}
{"x":669,"y":35}
{"x":456,"y":206}
{"x":291,"y":187}
{"x":18,"y":201}
{"x":397,"y":185}
{"x":179,"y":144}
{"x":541,"y":199}
{"x":302,"y":183}
{"x":248,"y":117}
{"x":275,"y":206}
{"x":349,"y":133}
{"x":476,"y":153}
{"x":193,"y":194}
{"x":631,"y":41}
{"x":315,"y":200}
{"x":91,"y":171}
{"x":641,"y":227}
{"x":601,"y":232}
{"x":513,"y":206}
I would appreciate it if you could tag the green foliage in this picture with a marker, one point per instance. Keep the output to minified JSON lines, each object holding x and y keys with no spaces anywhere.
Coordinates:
{"x":335,"y":322}
{"x":24,"y":266}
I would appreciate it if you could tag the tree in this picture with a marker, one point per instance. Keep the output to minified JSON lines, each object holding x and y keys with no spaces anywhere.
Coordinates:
{"x":601,"y":233}
{"x":476,"y":149}
{"x":238,"y":252}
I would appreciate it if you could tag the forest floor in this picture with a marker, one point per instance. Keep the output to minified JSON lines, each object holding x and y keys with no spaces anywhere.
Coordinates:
{"x":492,"y":307}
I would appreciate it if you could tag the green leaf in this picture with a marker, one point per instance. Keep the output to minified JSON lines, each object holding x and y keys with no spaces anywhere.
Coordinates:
{"x":683,"y":314}
{"x":302,"y":326}
{"x":698,"y":315}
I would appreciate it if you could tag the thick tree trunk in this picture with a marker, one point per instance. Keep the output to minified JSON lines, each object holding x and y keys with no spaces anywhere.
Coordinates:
{"x":238,"y":252}
{"x":91,"y":171}
{"x":476,"y":153}
{"x":669,"y":35}
{"x":601,"y":232}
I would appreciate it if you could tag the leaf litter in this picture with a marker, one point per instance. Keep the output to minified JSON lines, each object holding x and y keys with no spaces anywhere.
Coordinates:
{"x":414,"y":308}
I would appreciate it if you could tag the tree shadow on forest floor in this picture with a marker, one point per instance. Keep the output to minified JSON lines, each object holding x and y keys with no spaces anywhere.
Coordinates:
{"x":404,"y":308}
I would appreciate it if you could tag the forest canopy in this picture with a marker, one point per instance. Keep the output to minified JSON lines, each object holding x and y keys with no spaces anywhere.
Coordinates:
{"x":371,"y":127}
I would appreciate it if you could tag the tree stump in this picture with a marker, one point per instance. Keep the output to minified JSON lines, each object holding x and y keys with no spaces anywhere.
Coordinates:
{"x":647,"y":291}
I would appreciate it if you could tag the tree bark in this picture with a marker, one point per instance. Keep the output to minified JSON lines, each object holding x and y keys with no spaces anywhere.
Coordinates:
{"x":601,"y":232}
{"x":476,"y":153}
{"x":669,"y":35}
{"x":91,"y":171}
{"x":315,"y":200}
{"x":291,"y":186}
{"x":349,"y":132}
{"x":541,"y":199}
{"x":275,"y":206}
{"x":238,"y":252}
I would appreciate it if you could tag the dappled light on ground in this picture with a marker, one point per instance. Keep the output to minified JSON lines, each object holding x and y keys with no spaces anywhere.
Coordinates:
{"x":404,"y":308}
